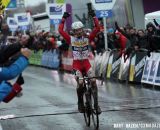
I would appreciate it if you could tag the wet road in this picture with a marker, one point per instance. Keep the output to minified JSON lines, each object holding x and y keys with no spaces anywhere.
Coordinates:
{"x":49,"y":102}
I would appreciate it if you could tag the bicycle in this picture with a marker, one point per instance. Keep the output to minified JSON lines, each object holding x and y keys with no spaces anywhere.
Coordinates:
{"x":89,"y":101}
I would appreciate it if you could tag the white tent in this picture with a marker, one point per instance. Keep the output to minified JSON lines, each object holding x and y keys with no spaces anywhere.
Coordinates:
{"x":150,"y":16}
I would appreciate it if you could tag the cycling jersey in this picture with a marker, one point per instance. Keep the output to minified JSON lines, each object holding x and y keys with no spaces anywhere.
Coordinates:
{"x":80,"y":48}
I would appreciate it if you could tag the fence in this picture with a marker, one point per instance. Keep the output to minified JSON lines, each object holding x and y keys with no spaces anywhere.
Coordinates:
{"x":137,"y":68}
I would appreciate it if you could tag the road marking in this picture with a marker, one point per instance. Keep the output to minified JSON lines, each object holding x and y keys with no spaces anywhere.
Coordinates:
{"x":1,"y":127}
{"x":7,"y":117}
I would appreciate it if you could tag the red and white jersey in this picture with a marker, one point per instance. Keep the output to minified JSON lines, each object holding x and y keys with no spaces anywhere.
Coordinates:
{"x":80,"y":48}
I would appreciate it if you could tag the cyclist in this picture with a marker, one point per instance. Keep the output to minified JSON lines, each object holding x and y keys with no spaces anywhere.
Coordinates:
{"x":80,"y":51}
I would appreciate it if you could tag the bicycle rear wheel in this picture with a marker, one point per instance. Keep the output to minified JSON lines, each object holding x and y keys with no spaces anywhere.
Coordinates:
{"x":87,"y":113}
{"x":94,"y":113}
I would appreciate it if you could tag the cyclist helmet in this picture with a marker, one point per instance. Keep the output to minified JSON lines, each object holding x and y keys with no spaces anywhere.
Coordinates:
{"x":77,"y":25}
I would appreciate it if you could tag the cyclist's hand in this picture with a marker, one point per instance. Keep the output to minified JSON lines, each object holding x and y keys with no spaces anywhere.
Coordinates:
{"x":26,"y":52}
{"x":116,"y":24}
{"x":66,"y":15}
{"x":92,"y":13}
{"x":149,"y":53}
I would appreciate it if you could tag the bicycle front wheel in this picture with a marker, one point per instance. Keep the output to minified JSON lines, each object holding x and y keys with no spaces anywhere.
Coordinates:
{"x":94,"y":113}
{"x":87,"y":112}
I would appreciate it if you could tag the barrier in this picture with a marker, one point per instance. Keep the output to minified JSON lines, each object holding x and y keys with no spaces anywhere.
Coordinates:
{"x":35,"y":58}
{"x":105,"y":59}
{"x":66,"y":60}
{"x":151,"y":71}
{"x":53,"y":59}
{"x":157,"y":78}
{"x":97,"y":64}
{"x":113,"y":64}
{"x":137,"y":66}
{"x":46,"y":59}
{"x":50,"y":59}
{"x":124,"y":69}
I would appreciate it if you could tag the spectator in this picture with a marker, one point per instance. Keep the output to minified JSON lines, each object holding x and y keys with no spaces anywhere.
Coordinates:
{"x":153,"y":35}
{"x":142,"y":39}
{"x":111,"y":39}
{"x":100,"y":43}
{"x":131,"y":36}
{"x":7,"y":91}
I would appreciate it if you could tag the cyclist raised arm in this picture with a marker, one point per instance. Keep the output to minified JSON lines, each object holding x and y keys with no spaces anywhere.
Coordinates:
{"x":80,"y":52}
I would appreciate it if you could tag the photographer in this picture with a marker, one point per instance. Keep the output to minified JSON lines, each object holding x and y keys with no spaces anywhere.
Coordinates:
{"x":13,"y":60}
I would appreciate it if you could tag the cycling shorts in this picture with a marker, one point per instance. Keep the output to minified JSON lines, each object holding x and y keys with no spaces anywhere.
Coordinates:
{"x":83,"y":66}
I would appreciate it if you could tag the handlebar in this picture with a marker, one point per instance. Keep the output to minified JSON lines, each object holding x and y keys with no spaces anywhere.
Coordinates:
{"x":88,"y":78}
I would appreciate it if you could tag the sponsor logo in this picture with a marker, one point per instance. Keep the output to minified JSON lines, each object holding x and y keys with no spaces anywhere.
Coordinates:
{"x":56,"y":10}
{"x":22,"y":18}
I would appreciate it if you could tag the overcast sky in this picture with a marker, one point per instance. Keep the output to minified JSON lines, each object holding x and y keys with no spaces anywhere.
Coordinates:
{"x":33,"y":2}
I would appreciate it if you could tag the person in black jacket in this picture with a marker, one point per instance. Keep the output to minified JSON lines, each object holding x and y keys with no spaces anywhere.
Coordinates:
{"x":142,"y":39}
{"x":153,"y":35}
{"x":7,"y":90}
{"x":100,"y":43}
{"x":11,"y":66}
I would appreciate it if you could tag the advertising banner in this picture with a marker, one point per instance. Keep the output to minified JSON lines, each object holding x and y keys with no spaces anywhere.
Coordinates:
{"x":157,"y":77}
{"x":55,"y":21}
{"x":136,"y":67}
{"x":12,"y":24}
{"x":152,"y":73}
{"x":103,"y":4}
{"x":146,"y":71}
{"x":23,"y":19}
{"x":55,"y":11}
{"x":113,"y":65}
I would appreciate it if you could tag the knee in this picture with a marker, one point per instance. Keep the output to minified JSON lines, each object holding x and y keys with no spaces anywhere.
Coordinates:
{"x":80,"y":83}
{"x":93,"y":83}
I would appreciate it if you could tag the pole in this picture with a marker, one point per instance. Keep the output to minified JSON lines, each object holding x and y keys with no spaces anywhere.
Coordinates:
{"x":12,"y":33}
{"x":105,"y":32}
{"x":24,"y":32}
